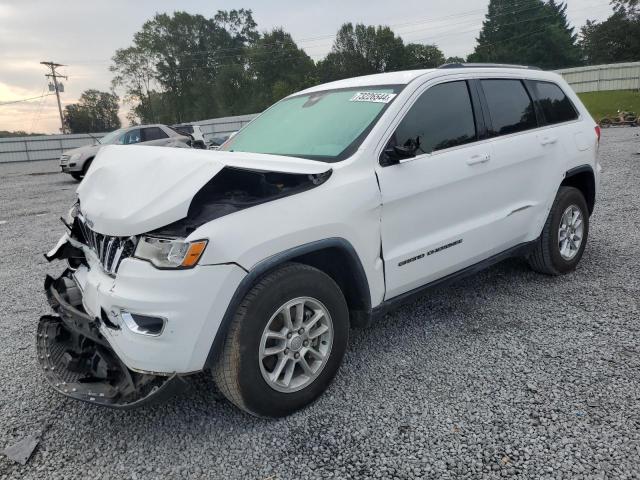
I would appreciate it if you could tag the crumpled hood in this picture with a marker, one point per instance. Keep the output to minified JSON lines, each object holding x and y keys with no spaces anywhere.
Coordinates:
{"x":132,"y":190}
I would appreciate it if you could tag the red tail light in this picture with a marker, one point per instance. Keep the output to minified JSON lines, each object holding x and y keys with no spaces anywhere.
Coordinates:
{"x":598,"y":132}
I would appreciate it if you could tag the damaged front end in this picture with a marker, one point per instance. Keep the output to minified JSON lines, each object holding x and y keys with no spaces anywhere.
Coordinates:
{"x":107,"y":342}
{"x":79,"y":363}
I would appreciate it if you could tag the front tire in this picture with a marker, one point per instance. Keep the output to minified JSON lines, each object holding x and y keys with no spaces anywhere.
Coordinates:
{"x":285,"y":343}
{"x":86,"y":167}
{"x":564,"y":236}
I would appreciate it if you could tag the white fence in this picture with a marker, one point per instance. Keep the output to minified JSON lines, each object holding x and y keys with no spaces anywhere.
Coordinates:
{"x":41,"y":147}
{"x":616,"y":76}
{"x":50,"y":147}
{"x":216,"y":127}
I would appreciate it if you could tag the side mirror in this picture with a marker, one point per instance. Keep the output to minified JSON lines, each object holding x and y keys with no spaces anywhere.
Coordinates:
{"x":393,"y":155}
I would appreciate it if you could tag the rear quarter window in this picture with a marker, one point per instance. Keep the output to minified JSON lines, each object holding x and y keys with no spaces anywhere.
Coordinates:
{"x":510,"y":106}
{"x":555,"y":105}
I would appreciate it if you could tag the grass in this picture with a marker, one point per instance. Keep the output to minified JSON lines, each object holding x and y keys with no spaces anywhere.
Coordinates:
{"x":601,"y":104}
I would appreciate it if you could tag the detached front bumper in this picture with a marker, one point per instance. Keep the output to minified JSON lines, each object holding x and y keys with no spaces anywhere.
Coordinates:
{"x":90,"y":352}
{"x":79,"y":363}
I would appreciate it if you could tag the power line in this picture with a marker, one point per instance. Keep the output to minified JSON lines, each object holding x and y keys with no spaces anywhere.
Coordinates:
{"x":36,"y":117}
{"x":25,"y":99}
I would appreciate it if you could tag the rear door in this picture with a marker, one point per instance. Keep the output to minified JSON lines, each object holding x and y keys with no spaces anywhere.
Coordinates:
{"x":563,"y":137}
{"x":523,"y":157}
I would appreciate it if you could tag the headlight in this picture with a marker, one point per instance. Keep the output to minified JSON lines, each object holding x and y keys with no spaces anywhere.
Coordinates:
{"x":170,"y":253}
{"x":74,"y":157}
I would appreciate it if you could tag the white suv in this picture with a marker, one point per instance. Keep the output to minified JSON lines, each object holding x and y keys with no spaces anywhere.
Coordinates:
{"x":333,"y":206}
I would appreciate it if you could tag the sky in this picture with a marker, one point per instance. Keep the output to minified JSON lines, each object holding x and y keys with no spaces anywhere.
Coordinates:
{"x":84,"y":34}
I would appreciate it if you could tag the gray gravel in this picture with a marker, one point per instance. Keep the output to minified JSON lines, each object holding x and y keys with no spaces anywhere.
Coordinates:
{"x":507,"y":373}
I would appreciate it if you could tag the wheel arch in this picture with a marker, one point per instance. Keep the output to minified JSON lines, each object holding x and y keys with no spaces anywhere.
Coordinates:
{"x":334,"y":256}
{"x":584,"y":179}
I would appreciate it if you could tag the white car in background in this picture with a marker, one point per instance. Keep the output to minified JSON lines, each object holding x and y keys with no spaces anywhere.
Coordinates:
{"x":76,"y":162}
{"x":332,"y":207}
{"x":194,"y":131}
{"x":214,"y":143}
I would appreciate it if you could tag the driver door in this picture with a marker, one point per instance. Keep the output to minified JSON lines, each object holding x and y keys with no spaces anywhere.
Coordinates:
{"x":439,"y":207}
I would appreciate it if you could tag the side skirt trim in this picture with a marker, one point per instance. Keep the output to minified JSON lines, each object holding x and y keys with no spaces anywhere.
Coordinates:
{"x":395,"y":302}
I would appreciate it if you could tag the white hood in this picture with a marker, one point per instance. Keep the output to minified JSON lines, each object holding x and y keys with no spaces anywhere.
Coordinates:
{"x":132,"y":190}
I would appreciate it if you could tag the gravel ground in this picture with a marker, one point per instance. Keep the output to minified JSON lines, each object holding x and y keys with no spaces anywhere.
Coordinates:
{"x":505,"y":374}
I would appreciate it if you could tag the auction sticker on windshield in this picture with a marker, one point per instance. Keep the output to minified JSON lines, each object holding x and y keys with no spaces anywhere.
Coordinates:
{"x":375,"y":97}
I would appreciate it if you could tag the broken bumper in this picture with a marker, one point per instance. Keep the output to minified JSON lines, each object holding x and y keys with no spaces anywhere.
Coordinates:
{"x":92,"y":352}
{"x":78,"y":361}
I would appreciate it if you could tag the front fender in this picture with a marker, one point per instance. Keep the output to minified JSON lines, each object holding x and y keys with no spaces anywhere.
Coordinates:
{"x":348,"y":208}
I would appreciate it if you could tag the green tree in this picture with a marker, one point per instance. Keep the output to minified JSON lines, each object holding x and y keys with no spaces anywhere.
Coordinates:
{"x":95,"y":112}
{"x":527,"y":32}
{"x":278,"y":67}
{"x":361,"y":50}
{"x":630,"y":7}
{"x":455,"y":60}
{"x":423,"y":56}
{"x":183,"y":59}
{"x":134,"y":71}
{"x":617,"y":39}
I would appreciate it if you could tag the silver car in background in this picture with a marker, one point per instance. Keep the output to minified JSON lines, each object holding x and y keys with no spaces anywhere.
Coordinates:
{"x":76,"y":162}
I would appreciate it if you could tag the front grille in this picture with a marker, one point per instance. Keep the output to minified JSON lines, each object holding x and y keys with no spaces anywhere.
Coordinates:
{"x":64,"y":159}
{"x":110,"y":250}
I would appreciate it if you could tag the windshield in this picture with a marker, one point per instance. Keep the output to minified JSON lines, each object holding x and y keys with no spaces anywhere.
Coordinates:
{"x":112,"y":137}
{"x":327,"y":126}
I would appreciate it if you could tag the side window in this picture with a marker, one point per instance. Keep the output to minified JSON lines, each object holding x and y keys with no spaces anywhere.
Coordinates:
{"x":510,"y":106}
{"x":153,"y":133}
{"x":441,"y":118}
{"x":556,"y":106}
{"x":131,"y":137}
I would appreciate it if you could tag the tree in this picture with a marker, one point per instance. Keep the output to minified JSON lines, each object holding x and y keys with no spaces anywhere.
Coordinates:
{"x":455,"y":60}
{"x":362,"y":50}
{"x":278,"y":67}
{"x":183,"y":59}
{"x":617,"y":39}
{"x":629,"y":7}
{"x":95,"y":112}
{"x":134,"y":71}
{"x":527,"y":32}
{"x":423,"y":56}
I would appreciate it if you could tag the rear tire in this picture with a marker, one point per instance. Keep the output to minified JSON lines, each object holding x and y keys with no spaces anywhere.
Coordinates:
{"x":564,"y":236}
{"x":251,"y":375}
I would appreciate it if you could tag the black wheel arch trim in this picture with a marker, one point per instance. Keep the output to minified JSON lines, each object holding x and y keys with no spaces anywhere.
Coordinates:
{"x":588,"y":169}
{"x":581,"y":169}
{"x":269,"y":263}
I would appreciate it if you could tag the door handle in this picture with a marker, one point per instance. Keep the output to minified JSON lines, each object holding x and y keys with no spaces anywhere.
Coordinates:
{"x":549,"y":140}
{"x":476,"y":159}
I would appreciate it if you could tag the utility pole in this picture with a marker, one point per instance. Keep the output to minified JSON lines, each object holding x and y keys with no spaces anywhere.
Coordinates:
{"x":55,"y":75}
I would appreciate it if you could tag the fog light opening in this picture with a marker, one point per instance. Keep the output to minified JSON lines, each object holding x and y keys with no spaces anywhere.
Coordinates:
{"x":143,"y":324}
{"x":107,"y":321}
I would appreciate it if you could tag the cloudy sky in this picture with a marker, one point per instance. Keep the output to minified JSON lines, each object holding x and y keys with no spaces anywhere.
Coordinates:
{"x":84,"y":34}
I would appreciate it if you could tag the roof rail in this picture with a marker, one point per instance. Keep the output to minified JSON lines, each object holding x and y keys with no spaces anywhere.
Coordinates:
{"x":486,"y":65}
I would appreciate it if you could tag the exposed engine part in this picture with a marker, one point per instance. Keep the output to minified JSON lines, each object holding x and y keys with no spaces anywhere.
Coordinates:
{"x":235,"y":189}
